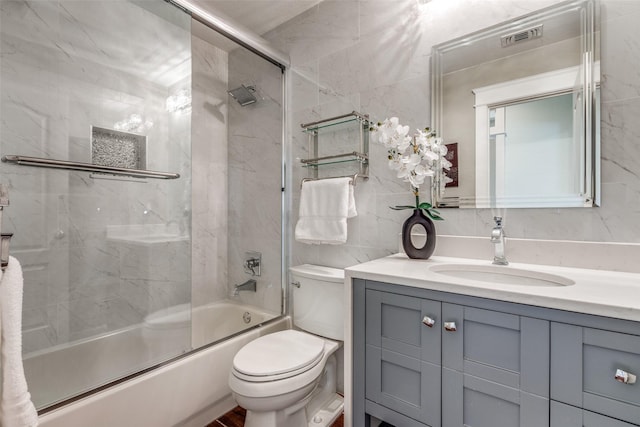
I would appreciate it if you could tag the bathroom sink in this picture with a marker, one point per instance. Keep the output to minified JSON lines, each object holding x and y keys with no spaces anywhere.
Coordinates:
{"x":503,"y":275}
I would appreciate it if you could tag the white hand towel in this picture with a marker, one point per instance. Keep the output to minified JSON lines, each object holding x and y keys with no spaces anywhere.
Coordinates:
{"x":16,"y":408}
{"x":325,"y":206}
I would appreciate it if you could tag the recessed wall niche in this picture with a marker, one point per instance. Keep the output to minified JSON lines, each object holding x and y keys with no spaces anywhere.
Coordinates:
{"x":118,"y":149}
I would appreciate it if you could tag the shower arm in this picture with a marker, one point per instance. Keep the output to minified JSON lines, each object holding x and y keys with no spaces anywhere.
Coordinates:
{"x":86,"y":167}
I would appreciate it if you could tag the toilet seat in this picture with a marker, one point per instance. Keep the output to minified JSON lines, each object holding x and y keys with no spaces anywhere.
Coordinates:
{"x":263,"y":360}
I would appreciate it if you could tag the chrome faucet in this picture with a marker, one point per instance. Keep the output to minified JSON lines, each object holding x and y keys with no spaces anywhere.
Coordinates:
{"x":498,"y":239}
{"x":249,"y":285}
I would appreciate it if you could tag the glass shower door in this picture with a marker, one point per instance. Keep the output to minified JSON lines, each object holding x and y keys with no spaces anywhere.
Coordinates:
{"x":103,"y":256}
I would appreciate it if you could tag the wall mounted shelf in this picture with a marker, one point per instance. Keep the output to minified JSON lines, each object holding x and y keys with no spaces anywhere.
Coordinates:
{"x":337,"y":124}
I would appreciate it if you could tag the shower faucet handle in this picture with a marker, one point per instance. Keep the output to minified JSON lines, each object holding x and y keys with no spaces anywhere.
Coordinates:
{"x":252,"y":263}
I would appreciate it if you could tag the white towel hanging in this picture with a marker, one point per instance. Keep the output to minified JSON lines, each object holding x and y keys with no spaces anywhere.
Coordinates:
{"x":325,"y":206}
{"x":16,"y":408}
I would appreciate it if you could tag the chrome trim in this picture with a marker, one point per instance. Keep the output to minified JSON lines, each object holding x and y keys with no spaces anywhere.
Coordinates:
{"x":245,"y":38}
{"x":85,"y":167}
{"x":359,"y":156}
{"x":363,"y":117}
{"x":353,"y":177}
{"x":428,"y":321}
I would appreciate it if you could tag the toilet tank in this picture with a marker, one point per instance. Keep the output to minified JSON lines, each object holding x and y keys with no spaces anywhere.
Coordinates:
{"x":318,"y":301}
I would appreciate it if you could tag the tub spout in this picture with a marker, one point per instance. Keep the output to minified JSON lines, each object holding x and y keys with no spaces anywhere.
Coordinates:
{"x":249,"y":285}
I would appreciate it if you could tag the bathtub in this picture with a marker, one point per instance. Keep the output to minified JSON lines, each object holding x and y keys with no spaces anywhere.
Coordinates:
{"x":190,"y":391}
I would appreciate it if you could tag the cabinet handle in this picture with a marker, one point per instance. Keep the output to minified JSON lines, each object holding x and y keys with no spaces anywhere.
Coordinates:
{"x":625,"y":377}
{"x":428,"y":321}
{"x":450,"y":326}
{"x":296,"y":284}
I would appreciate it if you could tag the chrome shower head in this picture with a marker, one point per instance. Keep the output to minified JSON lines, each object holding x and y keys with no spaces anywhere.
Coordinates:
{"x":243,"y":94}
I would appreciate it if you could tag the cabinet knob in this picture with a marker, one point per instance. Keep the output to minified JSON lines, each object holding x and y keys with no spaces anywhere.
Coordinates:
{"x":625,"y":377}
{"x":450,"y":326}
{"x":428,"y":321}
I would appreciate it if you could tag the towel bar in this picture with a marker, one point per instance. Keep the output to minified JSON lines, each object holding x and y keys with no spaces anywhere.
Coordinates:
{"x":353,"y":177}
{"x":86,"y":167}
{"x":5,"y":238}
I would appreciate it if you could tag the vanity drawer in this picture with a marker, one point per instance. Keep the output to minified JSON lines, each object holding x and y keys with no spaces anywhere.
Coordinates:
{"x":569,"y":416}
{"x":400,"y":324}
{"x":584,"y":363}
{"x":404,"y":384}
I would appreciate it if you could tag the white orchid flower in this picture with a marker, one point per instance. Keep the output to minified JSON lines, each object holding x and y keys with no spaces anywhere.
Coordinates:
{"x":416,"y":180}
{"x":423,"y":170}
{"x":413,"y":157}
{"x":402,"y":172}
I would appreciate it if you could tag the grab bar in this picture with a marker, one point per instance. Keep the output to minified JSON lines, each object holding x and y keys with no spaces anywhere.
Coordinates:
{"x":86,"y":167}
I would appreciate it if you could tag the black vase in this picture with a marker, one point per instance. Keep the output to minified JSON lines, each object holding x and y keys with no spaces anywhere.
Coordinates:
{"x":418,"y":218}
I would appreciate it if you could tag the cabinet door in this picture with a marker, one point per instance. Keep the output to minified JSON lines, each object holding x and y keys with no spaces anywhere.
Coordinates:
{"x":475,"y":402}
{"x":569,"y":416}
{"x":403,"y":354}
{"x":584,"y":365}
{"x":503,"y":348}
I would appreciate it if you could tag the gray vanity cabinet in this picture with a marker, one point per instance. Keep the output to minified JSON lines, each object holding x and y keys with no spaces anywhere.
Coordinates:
{"x":489,"y":370}
{"x":495,"y":368}
{"x":585,"y":363}
{"x":403,"y":355}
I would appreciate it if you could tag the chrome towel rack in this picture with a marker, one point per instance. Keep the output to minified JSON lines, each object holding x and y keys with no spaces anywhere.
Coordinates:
{"x":86,"y":167}
{"x":353,"y":177}
{"x":5,"y":238}
{"x":332,"y":124}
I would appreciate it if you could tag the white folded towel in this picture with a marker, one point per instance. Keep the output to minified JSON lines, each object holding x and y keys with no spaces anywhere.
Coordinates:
{"x":325,"y":206}
{"x":16,"y":408}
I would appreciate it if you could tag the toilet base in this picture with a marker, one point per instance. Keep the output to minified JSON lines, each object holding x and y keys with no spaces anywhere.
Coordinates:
{"x":328,"y":413}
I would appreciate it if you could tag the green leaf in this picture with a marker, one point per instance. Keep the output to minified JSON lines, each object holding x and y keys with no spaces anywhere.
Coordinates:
{"x":425,"y":205}
{"x":433,"y":216}
{"x":401,"y":207}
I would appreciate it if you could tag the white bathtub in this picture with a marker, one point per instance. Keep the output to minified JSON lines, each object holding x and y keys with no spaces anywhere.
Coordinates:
{"x":191,"y":391}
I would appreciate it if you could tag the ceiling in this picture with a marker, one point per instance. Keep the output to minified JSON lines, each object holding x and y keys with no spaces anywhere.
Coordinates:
{"x":260,"y":16}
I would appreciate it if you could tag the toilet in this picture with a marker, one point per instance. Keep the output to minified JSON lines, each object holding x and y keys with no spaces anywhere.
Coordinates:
{"x":289,"y":378}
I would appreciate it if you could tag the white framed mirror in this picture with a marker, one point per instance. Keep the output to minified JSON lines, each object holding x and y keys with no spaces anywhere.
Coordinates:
{"x":518,"y":106}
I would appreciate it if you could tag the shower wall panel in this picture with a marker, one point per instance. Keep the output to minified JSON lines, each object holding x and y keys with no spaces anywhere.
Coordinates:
{"x":210,"y":172}
{"x":255,"y":178}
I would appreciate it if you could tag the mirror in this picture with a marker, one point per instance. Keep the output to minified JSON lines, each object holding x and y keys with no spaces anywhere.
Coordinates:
{"x":518,"y":106}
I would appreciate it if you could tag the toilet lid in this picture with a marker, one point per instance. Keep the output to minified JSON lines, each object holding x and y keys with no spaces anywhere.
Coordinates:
{"x":279,"y":353}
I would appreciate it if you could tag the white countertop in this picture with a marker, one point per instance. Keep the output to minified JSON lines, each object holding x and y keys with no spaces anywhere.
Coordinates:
{"x":598,"y":292}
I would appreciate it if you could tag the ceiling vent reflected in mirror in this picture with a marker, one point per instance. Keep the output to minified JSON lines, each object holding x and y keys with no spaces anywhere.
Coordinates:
{"x":521,"y":36}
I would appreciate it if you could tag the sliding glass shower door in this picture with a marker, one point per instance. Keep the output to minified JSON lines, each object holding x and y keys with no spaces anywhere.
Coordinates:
{"x":143,"y":152}
{"x":96,"y":83}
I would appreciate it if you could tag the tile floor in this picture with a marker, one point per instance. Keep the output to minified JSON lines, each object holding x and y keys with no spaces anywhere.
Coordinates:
{"x":235,"y":418}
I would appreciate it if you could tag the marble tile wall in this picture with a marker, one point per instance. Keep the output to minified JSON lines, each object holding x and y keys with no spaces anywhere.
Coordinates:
{"x":373,"y":56}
